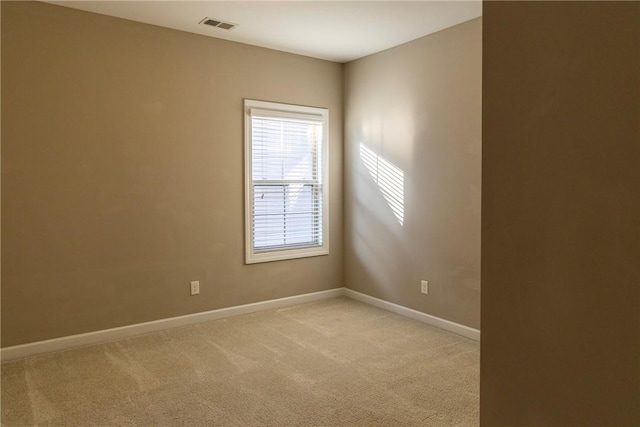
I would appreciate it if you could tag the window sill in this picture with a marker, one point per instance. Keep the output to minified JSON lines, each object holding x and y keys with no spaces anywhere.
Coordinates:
{"x":255,"y":258}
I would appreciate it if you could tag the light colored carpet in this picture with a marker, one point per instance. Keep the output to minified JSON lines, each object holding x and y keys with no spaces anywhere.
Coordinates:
{"x":335,"y":362}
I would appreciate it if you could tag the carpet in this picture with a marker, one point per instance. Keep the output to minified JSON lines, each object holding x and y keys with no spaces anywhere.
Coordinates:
{"x":334,"y":362}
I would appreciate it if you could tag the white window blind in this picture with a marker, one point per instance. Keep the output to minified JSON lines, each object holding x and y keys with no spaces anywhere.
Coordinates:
{"x":286,"y":181}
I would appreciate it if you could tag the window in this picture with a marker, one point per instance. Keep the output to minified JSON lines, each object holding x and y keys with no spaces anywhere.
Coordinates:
{"x":286,"y":178}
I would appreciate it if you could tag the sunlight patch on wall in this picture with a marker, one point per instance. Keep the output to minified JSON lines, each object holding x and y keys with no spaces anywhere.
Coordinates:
{"x":390,"y":180}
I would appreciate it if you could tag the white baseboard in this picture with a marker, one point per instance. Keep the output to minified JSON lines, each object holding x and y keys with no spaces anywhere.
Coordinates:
{"x":447,"y":325}
{"x":73,"y":341}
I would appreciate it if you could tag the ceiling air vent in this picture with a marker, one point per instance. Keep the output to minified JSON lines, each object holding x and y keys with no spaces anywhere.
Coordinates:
{"x":218,"y":24}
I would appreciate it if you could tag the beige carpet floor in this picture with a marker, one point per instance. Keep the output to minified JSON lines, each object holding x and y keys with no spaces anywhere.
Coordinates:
{"x":335,"y":362}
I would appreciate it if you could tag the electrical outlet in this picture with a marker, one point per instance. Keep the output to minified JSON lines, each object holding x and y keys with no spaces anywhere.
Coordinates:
{"x":195,"y":287}
{"x":424,"y":287}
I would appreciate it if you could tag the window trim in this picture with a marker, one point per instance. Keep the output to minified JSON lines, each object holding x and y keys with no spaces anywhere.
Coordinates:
{"x":286,"y":111}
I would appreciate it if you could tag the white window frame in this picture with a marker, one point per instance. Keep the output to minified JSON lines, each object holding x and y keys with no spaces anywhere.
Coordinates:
{"x":285,"y":111}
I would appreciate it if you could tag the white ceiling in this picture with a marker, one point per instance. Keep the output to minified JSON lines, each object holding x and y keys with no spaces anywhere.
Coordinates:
{"x":338,"y":31}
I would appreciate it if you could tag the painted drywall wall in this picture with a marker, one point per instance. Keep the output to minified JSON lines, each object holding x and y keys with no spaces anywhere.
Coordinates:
{"x":412,"y":173}
{"x":560,"y":212}
{"x":0,"y":179}
{"x":122,"y":171}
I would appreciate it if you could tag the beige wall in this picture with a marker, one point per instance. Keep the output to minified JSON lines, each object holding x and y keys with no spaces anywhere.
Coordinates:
{"x":414,"y":112}
{"x":560,"y":212}
{"x":122,"y":178}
